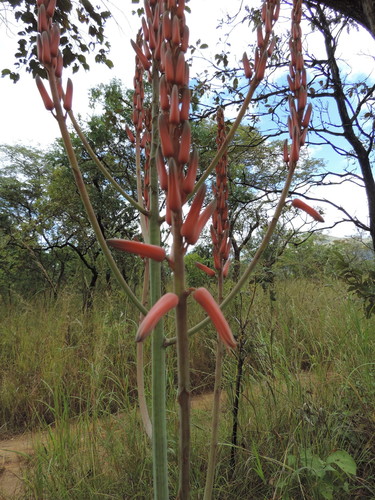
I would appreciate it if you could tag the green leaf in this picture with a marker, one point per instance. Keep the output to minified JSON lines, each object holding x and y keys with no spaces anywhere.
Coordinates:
{"x":343,"y":460}
{"x":326,"y":490}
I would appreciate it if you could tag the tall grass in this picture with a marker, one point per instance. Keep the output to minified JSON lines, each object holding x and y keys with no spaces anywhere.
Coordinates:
{"x":307,"y":392}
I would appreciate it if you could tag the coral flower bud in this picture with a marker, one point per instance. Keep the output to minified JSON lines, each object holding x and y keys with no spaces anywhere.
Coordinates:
{"x":152,"y":39}
{"x":214,"y":237}
{"x":202,"y":221}
{"x":153,"y":252}
{"x":271,"y":47}
{"x":226,"y":268}
{"x":148,"y":10}
{"x":179,"y":76}
{"x":185,"y":104}
{"x":205,"y":269}
{"x":246,"y":66}
{"x":146,"y":50}
{"x":185,"y":39}
{"x":142,"y":58}
{"x":188,"y":228}
{"x":130,"y":135}
{"x":174,"y":193}
{"x":180,"y":8}
{"x":157,"y":311}
{"x":261,"y":66}
{"x":285,"y":151}
{"x":68,"y":98}
{"x":55,"y":39}
{"x":165,"y":138}
{"x":292,"y":84}
{"x":268,"y":22}
{"x":167,"y":25}
{"x":156,"y":20}
{"x":184,"y":151}
{"x":186,"y":80}
{"x":176,"y":37}
{"x":46,"y":51}
{"x":163,"y":93}
{"x":205,"y":300}
{"x":169,"y":66}
{"x":162,"y":172}
{"x":306,"y":118}
{"x":47,"y":101}
{"x":42,"y":19}
{"x":303,"y":137}
{"x":306,"y":208}
{"x":59,"y":65}
{"x":51,"y":8}
{"x":174,"y":114}
{"x":260,"y":39}
{"x":189,"y":180}
{"x":145,"y":29}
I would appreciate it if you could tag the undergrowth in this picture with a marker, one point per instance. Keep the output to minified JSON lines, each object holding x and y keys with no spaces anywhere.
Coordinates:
{"x":306,"y":420}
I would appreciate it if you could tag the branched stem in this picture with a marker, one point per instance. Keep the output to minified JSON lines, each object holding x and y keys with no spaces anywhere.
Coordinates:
{"x":182,"y":358}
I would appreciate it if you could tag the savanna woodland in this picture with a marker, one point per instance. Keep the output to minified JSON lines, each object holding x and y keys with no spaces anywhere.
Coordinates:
{"x":174,"y":323}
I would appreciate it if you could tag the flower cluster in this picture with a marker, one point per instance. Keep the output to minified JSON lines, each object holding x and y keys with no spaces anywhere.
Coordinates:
{"x":265,"y":47}
{"x":220,"y":222}
{"x":298,"y":120}
{"x":48,"y":41}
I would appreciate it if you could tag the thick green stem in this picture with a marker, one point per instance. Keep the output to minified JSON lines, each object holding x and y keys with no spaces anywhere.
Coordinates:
{"x":140,"y":361}
{"x":85,"y":197}
{"x":159,"y":417}
{"x":182,"y":359}
{"x":210,"y":476}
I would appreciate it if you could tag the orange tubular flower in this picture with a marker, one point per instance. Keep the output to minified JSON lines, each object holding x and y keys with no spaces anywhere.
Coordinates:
{"x":68,"y":98}
{"x":309,"y":210}
{"x":205,"y":269}
{"x":205,"y":299}
{"x":153,"y":252}
{"x":157,"y":311}
{"x":202,"y":221}
{"x":188,"y":227}
{"x":47,"y":101}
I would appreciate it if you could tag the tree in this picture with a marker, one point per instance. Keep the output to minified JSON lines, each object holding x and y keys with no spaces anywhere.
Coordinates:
{"x":43,"y":217}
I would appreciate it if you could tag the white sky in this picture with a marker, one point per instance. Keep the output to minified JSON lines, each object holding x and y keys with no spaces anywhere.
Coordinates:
{"x":23,"y":118}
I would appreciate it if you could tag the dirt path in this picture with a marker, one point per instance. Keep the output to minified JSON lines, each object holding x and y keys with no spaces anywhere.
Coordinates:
{"x":13,"y":454}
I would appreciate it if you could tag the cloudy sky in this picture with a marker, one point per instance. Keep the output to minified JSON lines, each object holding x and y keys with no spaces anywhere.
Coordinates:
{"x":23,"y":118}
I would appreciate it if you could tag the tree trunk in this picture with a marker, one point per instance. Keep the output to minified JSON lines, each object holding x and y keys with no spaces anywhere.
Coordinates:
{"x":361,"y":11}
{"x":362,"y":154}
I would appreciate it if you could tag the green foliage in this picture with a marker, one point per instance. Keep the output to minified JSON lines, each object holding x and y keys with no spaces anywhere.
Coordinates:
{"x":44,"y":229}
{"x":72,"y":17}
{"x":355,"y":266}
{"x":306,"y":402}
{"x":326,"y":478}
